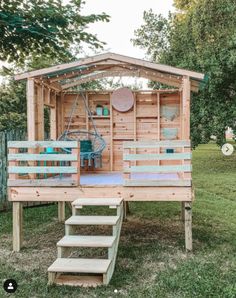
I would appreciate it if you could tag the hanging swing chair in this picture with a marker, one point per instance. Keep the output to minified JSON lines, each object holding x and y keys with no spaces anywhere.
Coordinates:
{"x":91,"y":143}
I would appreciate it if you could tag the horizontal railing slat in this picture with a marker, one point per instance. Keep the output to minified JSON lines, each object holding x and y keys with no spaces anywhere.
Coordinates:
{"x":42,"y":157}
{"x":42,"y":182}
{"x":139,"y":182}
{"x":43,"y":144}
{"x":158,"y":169}
{"x":42,"y":170}
{"x":156,"y":144}
{"x":161,"y":156}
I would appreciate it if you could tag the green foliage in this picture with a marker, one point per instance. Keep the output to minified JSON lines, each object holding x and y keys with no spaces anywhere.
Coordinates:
{"x":200,"y":37}
{"x":39,"y":27}
{"x":12,"y":106}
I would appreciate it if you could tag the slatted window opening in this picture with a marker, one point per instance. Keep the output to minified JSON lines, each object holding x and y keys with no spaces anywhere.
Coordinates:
{"x":157,"y":163}
{"x":43,"y":163}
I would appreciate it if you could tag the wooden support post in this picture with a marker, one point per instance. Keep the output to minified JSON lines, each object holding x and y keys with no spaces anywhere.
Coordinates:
{"x":51,"y":278}
{"x":188,"y":226}
{"x":126,"y":210}
{"x":17,"y":213}
{"x":61,"y":211}
{"x":182,"y":211}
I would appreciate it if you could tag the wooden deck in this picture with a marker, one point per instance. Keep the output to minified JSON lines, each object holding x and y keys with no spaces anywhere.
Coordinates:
{"x":106,"y":185}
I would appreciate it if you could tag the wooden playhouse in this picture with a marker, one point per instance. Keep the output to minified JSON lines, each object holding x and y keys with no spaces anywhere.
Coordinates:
{"x":105,"y":148}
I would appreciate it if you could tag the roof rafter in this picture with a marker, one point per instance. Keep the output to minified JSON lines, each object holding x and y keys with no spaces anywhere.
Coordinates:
{"x":117,"y":59}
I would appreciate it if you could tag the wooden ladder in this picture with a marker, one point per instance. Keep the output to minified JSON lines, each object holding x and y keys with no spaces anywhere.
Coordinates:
{"x":87,"y":272}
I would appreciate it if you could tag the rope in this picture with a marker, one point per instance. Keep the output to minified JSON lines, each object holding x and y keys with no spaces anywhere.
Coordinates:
{"x":89,"y":113}
{"x":71,"y":114}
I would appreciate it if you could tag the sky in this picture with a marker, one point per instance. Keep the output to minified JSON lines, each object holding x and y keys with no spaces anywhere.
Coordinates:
{"x":125,"y":17}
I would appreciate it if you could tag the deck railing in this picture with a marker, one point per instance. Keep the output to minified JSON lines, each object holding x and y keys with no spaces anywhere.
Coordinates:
{"x":43,"y":163}
{"x":144,"y":160}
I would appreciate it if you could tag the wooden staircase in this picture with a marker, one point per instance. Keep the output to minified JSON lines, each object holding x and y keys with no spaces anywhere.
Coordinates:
{"x":81,"y":271}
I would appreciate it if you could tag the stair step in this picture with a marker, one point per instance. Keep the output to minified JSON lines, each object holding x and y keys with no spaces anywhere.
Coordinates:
{"x":86,"y":241}
{"x":92,"y":220}
{"x":72,"y":265}
{"x":79,"y":280}
{"x":114,"y":202}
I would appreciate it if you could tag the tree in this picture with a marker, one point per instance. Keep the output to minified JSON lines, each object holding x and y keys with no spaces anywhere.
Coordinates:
{"x":12,"y":105}
{"x":39,"y":27}
{"x":201,"y":36}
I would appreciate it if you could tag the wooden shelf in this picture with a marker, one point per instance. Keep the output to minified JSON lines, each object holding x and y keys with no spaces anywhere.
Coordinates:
{"x":147,"y":117}
{"x":101,"y":117}
{"x":171,"y":123}
{"x":123,"y":139}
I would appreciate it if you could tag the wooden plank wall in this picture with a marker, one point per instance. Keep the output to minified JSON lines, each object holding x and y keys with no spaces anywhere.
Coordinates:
{"x":142,"y":122}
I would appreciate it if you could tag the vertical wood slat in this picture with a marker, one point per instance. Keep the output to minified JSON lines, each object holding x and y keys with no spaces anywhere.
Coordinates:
{"x":86,"y":114}
{"x":31,"y":125}
{"x":135,"y":122}
{"x":76,"y":177}
{"x":186,"y":94}
{"x":53,"y":119}
{"x":62,"y":112}
{"x":158,"y":124}
{"x":58,"y":110}
{"x":13,"y":163}
{"x":31,"y":116}
{"x":126,"y":164}
{"x":40,"y":112}
{"x":111,"y":134}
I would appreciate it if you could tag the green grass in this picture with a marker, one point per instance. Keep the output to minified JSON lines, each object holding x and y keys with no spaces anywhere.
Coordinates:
{"x":151,"y":258}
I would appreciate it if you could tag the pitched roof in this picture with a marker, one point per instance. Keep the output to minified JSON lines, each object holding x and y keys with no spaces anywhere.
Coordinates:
{"x":112,"y":59}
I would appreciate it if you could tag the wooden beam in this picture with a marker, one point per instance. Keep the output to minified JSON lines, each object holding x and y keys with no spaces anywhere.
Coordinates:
{"x":54,"y":86}
{"x":53,"y":121}
{"x":40,"y":112}
{"x":111,"y":134}
{"x":17,"y":213}
{"x":43,"y":144}
{"x":186,"y":94}
{"x":154,"y":144}
{"x":61,"y":211}
{"x":97,"y":76}
{"x":115,"y":57}
{"x":188,"y":226}
{"x":74,"y":73}
{"x":158,"y":125}
{"x":44,"y":194}
{"x":31,"y":121}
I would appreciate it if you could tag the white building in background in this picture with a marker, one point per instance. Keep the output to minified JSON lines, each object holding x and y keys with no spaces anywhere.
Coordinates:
{"x":229,"y":133}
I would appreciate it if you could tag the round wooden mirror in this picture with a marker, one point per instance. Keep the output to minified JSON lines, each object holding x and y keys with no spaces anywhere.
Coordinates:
{"x":122,"y":99}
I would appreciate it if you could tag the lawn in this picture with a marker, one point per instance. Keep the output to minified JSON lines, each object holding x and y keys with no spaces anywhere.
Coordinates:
{"x":151,"y":258}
